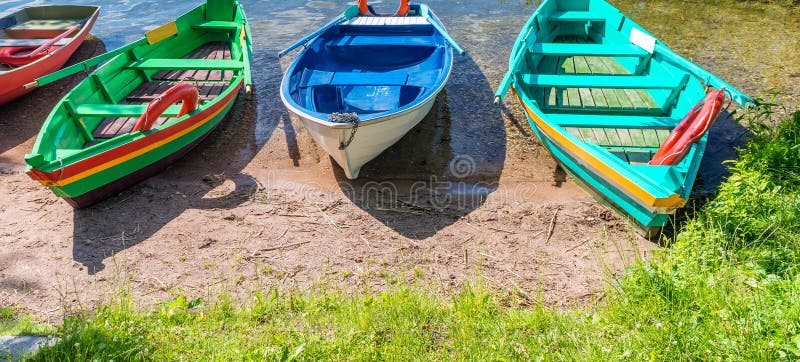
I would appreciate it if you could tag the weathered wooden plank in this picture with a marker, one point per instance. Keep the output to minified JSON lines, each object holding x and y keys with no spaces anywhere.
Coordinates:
{"x":587,"y":135}
{"x":651,"y":138}
{"x":624,"y":136}
{"x":612,"y":136}
{"x":637,"y":137}
{"x":662,"y":135}
{"x":600,"y":136}
{"x":575,"y":132}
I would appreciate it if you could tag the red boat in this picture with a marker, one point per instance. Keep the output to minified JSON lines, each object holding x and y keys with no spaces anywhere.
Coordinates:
{"x":38,"y":40}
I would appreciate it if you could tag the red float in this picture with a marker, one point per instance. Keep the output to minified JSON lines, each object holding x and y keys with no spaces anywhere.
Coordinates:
{"x":690,"y":130}
{"x":185,"y":93}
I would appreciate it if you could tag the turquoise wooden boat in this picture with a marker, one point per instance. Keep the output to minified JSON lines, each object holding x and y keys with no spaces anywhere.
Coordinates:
{"x":611,"y":102}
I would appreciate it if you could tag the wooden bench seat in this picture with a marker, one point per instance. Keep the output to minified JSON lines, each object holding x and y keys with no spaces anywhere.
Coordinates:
{"x":600,"y":81}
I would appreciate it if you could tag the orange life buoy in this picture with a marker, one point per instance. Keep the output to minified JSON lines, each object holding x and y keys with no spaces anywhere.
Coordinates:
{"x":364,"y":10}
{"x":11,"y":55}
{"x":186,"y":93}
{"x":689,"y":131}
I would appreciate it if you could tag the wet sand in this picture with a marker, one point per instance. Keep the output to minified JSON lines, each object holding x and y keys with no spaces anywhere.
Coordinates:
{"x":468,"y":194}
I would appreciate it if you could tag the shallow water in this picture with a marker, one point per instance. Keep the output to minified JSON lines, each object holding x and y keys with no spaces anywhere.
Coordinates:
{"x":753,"y":46}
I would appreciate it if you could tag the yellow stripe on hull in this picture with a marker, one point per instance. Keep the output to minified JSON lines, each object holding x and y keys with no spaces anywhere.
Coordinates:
{"x":130,"y":156}
{"x":674,"y":201}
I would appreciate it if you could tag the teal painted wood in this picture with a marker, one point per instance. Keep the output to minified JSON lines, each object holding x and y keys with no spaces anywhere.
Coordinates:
{"x":600,"y":81}
{"x":603,"y":120}
{"x":607,"y":50}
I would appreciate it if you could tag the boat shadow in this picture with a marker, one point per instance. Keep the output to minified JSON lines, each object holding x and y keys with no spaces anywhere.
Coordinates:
{"x":441,"y":170}
{"x":209,"y":177}
{"x":23,"y":118}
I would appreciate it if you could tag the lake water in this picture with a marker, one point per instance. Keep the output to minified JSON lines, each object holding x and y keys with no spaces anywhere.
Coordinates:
{"x":753,"y":46}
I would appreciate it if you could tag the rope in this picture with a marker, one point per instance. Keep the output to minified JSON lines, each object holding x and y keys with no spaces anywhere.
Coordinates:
{"x":337,"y":117}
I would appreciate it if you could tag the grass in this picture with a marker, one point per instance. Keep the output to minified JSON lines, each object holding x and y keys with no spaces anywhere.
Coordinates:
{"x":727,"y":288}
{"x":12,"y":323}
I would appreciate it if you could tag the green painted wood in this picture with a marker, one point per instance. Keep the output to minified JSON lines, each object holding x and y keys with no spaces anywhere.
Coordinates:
{"x":575,"y":132}
{"x":218,"y":25}
{"x":223,"y":10}
{"x":587,"y":135}
{"x":637,"y":137}
{"x":651,"y":138}
{"x":119,"y":110}
{"x":600,"y":136}
{"x":186,"y":64}
{"x":598,"y":65}
{"x":662,"y":135}
{"x":600,"y":81}
{"x":612,"y":136}
{"x":625,"y":136}
{"x":597,"y":50}
{"x":582,"y":66}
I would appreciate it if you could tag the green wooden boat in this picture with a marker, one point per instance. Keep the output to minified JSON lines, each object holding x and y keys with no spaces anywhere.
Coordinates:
{"x":120,"y":124}
{"x":610,"y":102}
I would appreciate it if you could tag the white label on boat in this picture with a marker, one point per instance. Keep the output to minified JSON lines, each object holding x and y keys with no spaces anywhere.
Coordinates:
{"x":643,"y":40}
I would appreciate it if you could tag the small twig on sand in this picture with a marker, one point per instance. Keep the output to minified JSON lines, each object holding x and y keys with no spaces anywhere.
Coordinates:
{"x":20,"y":298}
{"x":277,"y":248}
{"x":291,"y":215}
{"x":579,"y":245}
{"x":284,"y":234}
{"x":501,"y":230}
{"x":487,"y":255}
{"x":552,"y":227}
{"x":327,"y":217}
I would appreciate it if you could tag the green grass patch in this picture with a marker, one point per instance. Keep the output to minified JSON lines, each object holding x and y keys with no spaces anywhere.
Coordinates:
{"x":13,"y":323}
{"x":727,"y":288}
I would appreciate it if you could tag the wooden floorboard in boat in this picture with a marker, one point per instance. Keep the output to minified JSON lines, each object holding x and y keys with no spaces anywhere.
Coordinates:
{"x":144,"y":94}
{"x":597,"y":99}
{"x":620,"y":137}
{"x":213,"y":50}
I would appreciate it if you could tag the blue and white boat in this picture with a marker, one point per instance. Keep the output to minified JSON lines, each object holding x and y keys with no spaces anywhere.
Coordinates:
{"x":365,"y":79}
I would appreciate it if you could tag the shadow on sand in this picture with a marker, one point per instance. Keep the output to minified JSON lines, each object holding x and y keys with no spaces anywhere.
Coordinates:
{"x":444,"y":168}
{"x":134,"y":215}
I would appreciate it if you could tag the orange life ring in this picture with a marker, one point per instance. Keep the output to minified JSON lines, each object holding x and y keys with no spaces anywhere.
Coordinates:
{"x":186,"y":93}
{"x":364,"y":10}
{"x":690,"y":130}
{"x":11,"y":55}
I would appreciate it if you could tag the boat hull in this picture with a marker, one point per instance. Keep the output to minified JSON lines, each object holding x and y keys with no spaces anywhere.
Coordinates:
{"x":84,"y":183}
{"x":388,"y":71}
{"x":12,"y":83}
{"x":371,"y":139}
{"x":603,"y":96}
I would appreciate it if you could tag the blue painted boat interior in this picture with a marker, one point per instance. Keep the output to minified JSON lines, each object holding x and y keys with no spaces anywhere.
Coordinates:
{"x":370,"y":70}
